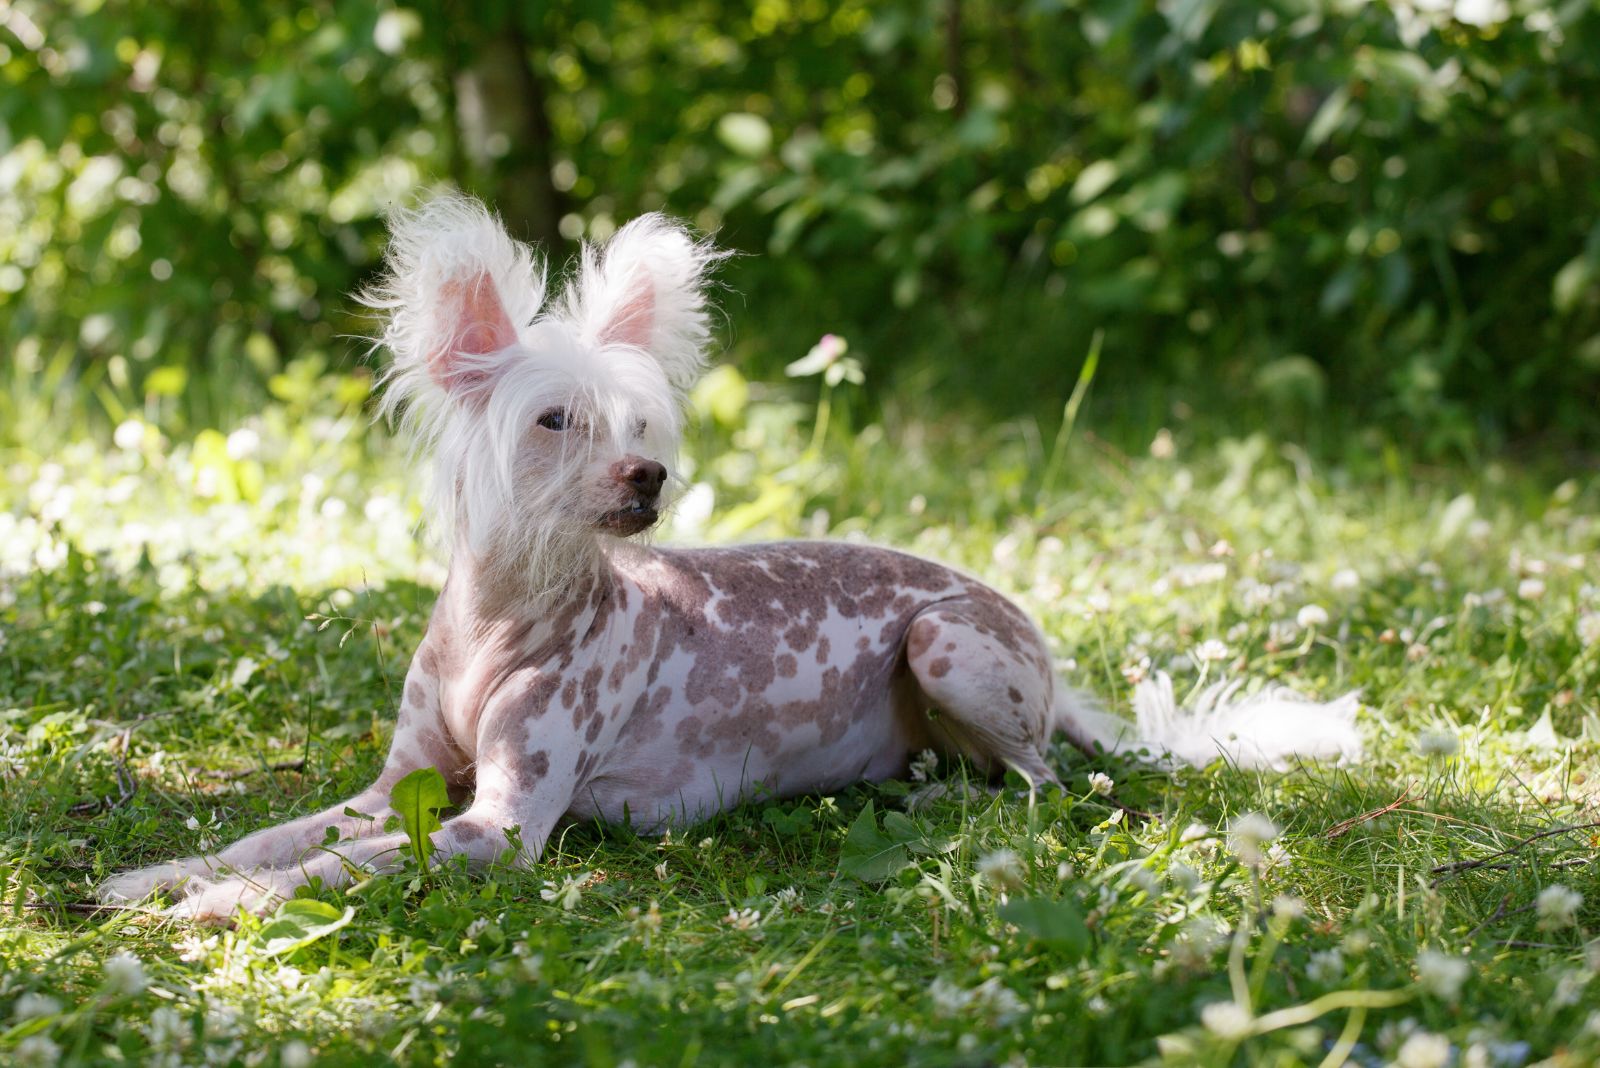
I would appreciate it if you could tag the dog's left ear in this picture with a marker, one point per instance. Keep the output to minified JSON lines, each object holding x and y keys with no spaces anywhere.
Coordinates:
{"x":645,"y":290}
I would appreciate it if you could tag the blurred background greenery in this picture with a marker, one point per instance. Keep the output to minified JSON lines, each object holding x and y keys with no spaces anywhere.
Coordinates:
{"x":1344,"y":222}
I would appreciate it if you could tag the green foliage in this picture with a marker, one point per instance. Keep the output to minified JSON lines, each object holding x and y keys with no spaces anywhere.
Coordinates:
{"x":1377,"y":211}
{"x":419,"y":798}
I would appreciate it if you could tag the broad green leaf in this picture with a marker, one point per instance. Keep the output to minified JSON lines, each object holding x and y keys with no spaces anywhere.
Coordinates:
{"x":300,"y":922}
{"x":1055,"y":923}
{"x":418,"y":798}
{"x":746,"y":134}
{"x":869,"y":854}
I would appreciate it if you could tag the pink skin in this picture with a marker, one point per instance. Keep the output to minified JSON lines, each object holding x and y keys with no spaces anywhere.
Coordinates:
{"x":596,"y":678}
{"x":668,"y":686}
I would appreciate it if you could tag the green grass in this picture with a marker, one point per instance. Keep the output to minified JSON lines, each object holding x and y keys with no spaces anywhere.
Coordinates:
{"x":162,"y":690}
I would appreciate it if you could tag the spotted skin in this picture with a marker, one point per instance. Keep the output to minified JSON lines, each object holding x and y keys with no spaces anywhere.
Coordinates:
{"x":667,"y":685}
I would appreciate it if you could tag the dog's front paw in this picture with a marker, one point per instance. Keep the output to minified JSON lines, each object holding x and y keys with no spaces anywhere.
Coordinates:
{"x":133,"y":886}
{"x":217,"y":903}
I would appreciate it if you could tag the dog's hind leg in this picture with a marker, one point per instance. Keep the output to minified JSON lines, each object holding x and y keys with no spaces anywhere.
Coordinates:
{"x":419,"y":741}
{"x":985,"y":668}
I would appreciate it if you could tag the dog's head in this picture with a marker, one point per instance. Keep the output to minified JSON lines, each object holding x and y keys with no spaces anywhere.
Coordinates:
{"x":551,"y":427}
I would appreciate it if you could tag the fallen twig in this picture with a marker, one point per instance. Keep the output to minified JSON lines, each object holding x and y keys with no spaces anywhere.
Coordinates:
{"x":1343,"y":827}
{"x":127,"y":786}
{"x":1457,"y":866}
{"x":244,"y":773}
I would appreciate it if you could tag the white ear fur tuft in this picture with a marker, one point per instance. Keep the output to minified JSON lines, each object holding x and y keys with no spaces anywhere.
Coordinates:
{"x":645,"y":290}
{"x":457,"y":292}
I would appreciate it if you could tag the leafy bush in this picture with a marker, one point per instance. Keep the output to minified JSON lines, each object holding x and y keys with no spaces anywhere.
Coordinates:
{"x":1375,"y":213}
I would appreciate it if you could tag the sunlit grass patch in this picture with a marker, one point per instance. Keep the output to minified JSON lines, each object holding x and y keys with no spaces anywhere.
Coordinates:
{"x":179,"y":666}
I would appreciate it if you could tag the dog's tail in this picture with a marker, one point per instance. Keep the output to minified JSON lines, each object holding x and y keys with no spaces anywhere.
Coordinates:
{"x":1269,"y":729}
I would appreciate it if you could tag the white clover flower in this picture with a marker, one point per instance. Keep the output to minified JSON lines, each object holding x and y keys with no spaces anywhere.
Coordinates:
{"x":125,"y":974}
{"x":1530,"y":589}
{"x":1248,"y":833}
{"x":926,"y":763}
{"x":1437,"y":743}
{"x":1183,"y":876}
{"x":1312,"y":615}
{"x":998,"y":1000}
{"x":166,"y":1028}
{"x":1423,"y":1049}
{"x":661,"y":871}
{"x":1288,"y":907}
{"x":1226,"y":1020}
{"x":788,"y":899}
{"x":1442,"y":974}
{"x":1101,"y":783}
{"x":243,"y":444}
{"x":295,"y":1054}
{"x":36,"y":1051}
{"x":743,"y":919}
{"x":192,"y":947}
{"x":1194,"y":832}
{"x":1210,"y":651}
{"x":129,"y":435}
{"x":948,"y":998}
{"x":1002,"y":869}
{"x":1558,"y":906}
{"x":1326,"y":967}
{"x":1588,"y":628}
{"x":31,"y":1006}
{"x":568,"y":894}
{"x":1146,"y":880}
{"x":1344,"y":580}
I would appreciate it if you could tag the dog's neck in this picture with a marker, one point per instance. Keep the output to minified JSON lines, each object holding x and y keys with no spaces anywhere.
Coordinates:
{"x":487,"y":590}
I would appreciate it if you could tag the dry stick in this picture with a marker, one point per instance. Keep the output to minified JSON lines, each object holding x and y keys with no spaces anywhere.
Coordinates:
{"x":298,"y":764}
{"x":1343,"y":827}
{"x":1455,"y":867}
{"x":126,"y":788}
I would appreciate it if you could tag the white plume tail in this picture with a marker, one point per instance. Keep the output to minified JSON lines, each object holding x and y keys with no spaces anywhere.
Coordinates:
{"x":1269,"y":729}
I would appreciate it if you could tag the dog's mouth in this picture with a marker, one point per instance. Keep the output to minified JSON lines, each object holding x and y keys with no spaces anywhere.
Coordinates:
{"x":636,"y":517}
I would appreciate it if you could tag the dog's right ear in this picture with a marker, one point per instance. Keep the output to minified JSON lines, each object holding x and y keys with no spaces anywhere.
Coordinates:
{"x":458,"y":290}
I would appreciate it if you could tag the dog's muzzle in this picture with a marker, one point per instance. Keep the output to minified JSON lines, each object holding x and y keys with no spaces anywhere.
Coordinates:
{"x":645,"y":478}
{"x":637,"y":517}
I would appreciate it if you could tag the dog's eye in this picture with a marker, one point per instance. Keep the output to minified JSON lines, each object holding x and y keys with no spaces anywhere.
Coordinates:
{"x":554,"y":419}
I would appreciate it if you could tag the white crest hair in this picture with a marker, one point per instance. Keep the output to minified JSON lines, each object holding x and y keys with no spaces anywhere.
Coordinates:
{"x":622,"y":347}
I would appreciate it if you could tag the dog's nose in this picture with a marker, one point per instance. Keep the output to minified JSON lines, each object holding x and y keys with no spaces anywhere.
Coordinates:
{"x":645,"y":476}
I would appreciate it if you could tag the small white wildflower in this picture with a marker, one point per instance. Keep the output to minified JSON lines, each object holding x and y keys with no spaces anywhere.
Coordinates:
{"x":1288,"y":907}
{"x":1558,"y":906}
{"x":1530,"y":589}
{"x":1101,"y":783}
{"x":1210,"y":651}
{"x":1344,"y":580}
{"x":1442,"y":974}
{"x":1162,"y":446}
{"x":1145,"y":880}
{"x":1588,"y":628}
{"x":1194,"y":832}
{"x":568,"y":894}
{"x":661,"y":871}
{"x":95,"y":608}
{"x":193,"y":948}
{"x":166,"y":1028}
{"x":1226,"y":1020}
{"x":1436,"y":743}
{"x":787,"y":899}
{"x":1423,"y":1049}
{"x":129,"y":435}
{"x":1002,"y":868}
{"x":243,"y":444}
{"x":743,"y":919}
{"x":31,"y":1006}
{"x":646,"y":924}
{"x":926,"y":763}
{"x":1312,"y":615}
{"x":948,"y":998}
{"x":295,"y":1054}
{"x":36,"y":1051}
{"x":125,"y":974}
{"x":1248,"y":833}
{"x":999,"y":1000}
{"x":1326,"y":967}
{"x":192,"y":823}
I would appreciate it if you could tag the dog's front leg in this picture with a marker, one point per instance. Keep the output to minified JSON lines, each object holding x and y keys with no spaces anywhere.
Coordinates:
{"x":514,"y":790}
{"x":419,"y":741}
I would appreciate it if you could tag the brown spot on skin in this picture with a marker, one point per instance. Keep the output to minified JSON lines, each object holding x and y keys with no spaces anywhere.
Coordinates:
{"x":922,"y":638}
{"x":414,"y":693}
{"x":1015,"y":695}
{"x":940,"y":667}
{"x":538,"y":764}
{"x":569,"y":693}
{"x":594,"y":729}
{"x":788,"y":666}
